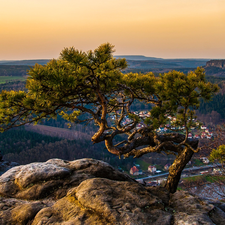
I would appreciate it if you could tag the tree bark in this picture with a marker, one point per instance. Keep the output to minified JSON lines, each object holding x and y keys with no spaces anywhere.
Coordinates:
{"x":176,"y":169}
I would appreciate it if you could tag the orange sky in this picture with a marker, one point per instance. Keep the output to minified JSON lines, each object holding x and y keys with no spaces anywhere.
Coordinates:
{"x":35,"y":29}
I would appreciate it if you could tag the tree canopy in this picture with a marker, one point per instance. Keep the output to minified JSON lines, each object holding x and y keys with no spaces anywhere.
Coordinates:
{"x":90,"y":86}
{"x":218,"y":154}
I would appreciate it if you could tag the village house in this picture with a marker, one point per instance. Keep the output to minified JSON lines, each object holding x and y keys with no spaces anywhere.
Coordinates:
{"x":203,"y":135}
{"x":190,"y":135}
{"x":196,"y":136}
{"x":148,"y":114}
{"x":174,"y":119}
{"x":167,"y":166}
{"x":204,"y":160}
{"x":152,"y":183}
{"x":169,"y":117}
{"x":140,"y":126}
{"x":142,"y":114}
{"x":152,"y":169}
{"x":217,"y":171}
{"x":135,"y":171}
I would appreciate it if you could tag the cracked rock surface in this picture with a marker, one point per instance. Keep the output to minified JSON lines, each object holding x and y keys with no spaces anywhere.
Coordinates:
{"x":89,"y":191}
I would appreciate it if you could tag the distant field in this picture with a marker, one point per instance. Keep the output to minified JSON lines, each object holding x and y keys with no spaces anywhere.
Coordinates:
{"x":58,"y":132}
{"x":5,"y":79}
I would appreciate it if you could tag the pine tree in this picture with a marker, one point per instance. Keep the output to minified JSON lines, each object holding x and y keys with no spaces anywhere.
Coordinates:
{"x":89,"y":86}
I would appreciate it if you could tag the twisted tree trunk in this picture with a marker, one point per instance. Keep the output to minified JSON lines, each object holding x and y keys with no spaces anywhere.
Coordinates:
{"x":177,"y":167}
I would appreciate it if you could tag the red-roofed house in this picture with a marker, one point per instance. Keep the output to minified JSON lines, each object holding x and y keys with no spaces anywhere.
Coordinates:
{"x":135,"y":171}
{"x":196,"y":136}
{"x":210,"y":133}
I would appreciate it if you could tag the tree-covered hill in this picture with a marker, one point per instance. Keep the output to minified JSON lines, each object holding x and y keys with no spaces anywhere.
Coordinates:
{"x":23,"y":146}
{"x":13,"y":70}
{"x":25,"y":62}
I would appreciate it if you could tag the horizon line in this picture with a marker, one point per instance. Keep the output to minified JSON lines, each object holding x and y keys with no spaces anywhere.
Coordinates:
{"x":153,"y":58}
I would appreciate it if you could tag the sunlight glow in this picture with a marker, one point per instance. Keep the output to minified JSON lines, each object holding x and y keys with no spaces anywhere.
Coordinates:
{"x":167,"y":29}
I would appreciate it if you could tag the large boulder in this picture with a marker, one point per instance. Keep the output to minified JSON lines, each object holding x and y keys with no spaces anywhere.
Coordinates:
{"x":88,"y":191}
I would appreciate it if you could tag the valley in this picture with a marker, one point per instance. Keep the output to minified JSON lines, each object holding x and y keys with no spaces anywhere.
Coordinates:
{"x":13,"y":76}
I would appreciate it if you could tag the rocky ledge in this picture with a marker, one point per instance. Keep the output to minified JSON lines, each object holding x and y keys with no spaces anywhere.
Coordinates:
{"x":216,"y":63}
{"x":88,"y":191}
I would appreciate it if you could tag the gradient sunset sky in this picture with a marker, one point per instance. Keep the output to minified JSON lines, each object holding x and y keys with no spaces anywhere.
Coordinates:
{"x":40,"y":29}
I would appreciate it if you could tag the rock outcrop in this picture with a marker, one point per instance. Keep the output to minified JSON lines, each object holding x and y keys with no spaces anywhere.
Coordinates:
{"x":216,"y":63}
{"x":88,"y":191}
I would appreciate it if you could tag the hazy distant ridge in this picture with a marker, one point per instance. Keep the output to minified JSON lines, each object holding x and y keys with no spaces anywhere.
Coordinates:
{"x":134,"y":61}
{"x":25,"y":62}
{"x":140,"y":61}
{"x":136,"y":57}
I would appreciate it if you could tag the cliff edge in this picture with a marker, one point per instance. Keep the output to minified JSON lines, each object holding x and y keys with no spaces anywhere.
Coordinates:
{"x":216,"y":63}
{"x":88,"y":191}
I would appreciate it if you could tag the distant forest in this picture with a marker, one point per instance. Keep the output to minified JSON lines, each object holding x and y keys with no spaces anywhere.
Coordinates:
{"x":24,"y":147}
{"x":13,"y":70}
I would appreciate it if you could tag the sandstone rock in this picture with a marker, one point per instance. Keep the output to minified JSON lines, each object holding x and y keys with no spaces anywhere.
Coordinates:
{"x":13,"y":211}
{"x":36,"y":172}
{"x":222,"y":206}
{"x":181,"y":218}
{"x":182,"y":201}
{"x":87,"y":191}
{"x":192,"y":210}
{"x":216,"y":63}
{"x":119,"y":201}
{"x":161,"y":193}
{"x":216,"y":203}
{"x":217,"y":216}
